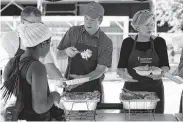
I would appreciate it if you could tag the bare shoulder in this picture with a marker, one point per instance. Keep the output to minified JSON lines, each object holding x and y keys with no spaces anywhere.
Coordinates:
{"x":35,"y":68}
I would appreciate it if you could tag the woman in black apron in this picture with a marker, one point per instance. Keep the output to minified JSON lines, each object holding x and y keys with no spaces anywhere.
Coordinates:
{"x":145,"y":83}
{"x":145,"y":53}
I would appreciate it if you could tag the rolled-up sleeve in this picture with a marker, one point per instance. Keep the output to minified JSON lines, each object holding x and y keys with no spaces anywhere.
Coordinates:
{"x":105,"y":56}
{"x":66,"y":40}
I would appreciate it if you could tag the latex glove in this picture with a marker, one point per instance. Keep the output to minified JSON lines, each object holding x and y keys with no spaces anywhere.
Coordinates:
{"x":71,"y":51}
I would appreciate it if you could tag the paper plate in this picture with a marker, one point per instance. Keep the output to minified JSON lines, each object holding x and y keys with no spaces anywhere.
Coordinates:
{"x":143,"y":73}
{"x":77,"y":81}
{"x":147,"y":70}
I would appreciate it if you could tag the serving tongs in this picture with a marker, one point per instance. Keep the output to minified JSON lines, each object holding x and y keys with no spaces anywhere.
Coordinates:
{"x":140,"y":96}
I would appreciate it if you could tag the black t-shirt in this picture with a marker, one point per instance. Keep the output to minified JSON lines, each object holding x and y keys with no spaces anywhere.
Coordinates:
{"x":159,"y":46}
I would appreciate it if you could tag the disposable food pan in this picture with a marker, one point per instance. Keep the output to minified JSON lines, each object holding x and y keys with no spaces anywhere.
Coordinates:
{"x":132,"y":102}
{"x":80,"y":101}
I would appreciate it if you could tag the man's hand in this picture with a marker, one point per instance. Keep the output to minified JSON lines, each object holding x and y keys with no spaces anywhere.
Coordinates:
{"x":71,"y":51}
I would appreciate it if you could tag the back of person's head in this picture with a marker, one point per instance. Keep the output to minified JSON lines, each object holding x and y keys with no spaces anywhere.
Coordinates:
{"x":31,"y":14}
{"x":141,"y":17}
{"x":34,"y":34}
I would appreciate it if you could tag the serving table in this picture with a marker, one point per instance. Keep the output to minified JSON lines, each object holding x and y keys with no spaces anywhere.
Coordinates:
{"x":179,"y":116}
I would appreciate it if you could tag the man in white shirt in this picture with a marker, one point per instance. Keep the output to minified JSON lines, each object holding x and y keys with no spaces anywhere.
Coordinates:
{"x":11,"y":42}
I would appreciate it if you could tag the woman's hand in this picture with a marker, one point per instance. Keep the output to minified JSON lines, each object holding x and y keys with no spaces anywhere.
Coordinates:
{"x":156,"y":77}
{"x":123,"y":73}
{"x":128,"y":78}
{"x":159,"y":77}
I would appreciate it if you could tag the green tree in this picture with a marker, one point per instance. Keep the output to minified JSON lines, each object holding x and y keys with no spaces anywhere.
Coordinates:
{"x":171,"y":12}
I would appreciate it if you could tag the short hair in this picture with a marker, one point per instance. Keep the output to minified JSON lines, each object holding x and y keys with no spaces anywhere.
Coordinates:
{"x":27,"y":11}
{"x":141,"y":17}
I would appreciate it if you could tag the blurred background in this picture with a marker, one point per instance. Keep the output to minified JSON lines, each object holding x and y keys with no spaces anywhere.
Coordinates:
{"x":60,"y":15}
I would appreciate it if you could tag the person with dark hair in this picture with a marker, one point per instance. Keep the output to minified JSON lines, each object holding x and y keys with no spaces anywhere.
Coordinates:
{"x":34,"y":100}
{"x":89,"y":50}
{"x":141,"y":50}
{"x":13,"y":45}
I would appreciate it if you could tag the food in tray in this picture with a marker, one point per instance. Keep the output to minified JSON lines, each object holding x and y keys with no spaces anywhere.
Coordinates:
{"x":128,"y":96}
{"x":147,"y":70}
{"x":80,"y":101}
{"x":82,"y":95}
{"x":147,"y":96}
{"x":150,"y":97}
{"x":86,"y":54}
{"x":132,"y":102}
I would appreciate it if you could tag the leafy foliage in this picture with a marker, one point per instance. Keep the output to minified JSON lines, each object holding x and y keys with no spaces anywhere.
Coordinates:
{"x":170,"y":12}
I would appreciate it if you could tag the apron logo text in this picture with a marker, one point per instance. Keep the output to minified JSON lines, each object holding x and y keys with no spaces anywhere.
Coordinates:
{"x":144,"y":60}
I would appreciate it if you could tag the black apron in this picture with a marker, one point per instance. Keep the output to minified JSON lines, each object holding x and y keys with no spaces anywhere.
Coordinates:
{"x":19,"y":51}
{"x":141,"y":58}
{"x":79,"y":66}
